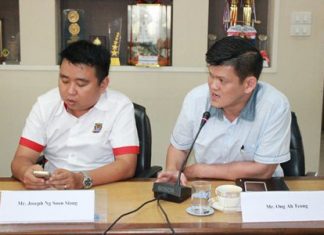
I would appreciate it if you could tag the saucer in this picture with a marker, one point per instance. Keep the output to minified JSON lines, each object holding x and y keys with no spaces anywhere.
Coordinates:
{"x":191,"y":211}
{"x":214,"y":203}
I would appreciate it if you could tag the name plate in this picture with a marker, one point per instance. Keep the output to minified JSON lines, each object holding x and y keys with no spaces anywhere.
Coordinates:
{"x":47,"y":206}
{"x":147,"y":60}
{"x":282,"y":206}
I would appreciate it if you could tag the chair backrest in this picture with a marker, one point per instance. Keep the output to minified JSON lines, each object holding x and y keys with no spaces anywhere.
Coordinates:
{"x":296,"y":165}
{"x":145,"y":139}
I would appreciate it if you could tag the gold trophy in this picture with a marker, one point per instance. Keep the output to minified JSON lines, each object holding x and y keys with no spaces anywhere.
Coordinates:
{"x":115,"y":39}
{"x":247,"y":12}
{"x":115,"y":50}
{"x":97,"y":41}
{"x":233,"y":13}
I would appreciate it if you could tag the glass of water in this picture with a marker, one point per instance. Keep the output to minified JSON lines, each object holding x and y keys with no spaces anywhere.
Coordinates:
{"x":200,"y":194}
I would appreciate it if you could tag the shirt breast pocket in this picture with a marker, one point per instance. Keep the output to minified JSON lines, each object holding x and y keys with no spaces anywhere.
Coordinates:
{"x":247,"y":152}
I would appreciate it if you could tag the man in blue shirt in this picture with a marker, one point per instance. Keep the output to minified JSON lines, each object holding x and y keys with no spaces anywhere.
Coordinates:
{"x":248,"y":133}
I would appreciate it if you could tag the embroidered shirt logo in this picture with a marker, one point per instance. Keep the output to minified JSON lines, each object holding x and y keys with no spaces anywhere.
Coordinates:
{"x":97,"y":127}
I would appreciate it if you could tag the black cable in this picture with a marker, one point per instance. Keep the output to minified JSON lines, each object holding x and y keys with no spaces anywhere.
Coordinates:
{"x":165,"y":216}
{"x":130,"y":212}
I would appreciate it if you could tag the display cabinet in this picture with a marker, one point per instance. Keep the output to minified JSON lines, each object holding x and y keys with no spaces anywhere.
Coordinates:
{"x":9,"y":32}
{"x":40,"y":29}
{"x":110,"y":23}
{"x":245,"y":18}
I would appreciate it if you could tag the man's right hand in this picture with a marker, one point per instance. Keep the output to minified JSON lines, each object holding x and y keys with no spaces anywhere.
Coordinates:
{"x":171,"y":176}
{"x":31,"y":181}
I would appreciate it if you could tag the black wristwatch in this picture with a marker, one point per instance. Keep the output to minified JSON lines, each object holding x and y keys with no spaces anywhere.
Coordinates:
{"x":87,"y":181}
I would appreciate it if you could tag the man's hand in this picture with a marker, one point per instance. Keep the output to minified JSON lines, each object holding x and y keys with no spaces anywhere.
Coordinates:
{"x":64,"y":179}
{"x":171,"y":176}
{"x":31,"y":181}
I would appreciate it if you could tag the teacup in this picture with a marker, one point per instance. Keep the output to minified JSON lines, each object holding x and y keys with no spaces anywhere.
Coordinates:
{"x":229,"y":196}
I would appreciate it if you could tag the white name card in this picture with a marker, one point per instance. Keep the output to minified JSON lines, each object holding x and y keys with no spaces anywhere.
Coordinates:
{"x":271,"y":206}
{"x":47,"y":206}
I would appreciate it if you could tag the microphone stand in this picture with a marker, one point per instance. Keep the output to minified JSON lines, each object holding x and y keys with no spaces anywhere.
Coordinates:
{"x":177,"y":192}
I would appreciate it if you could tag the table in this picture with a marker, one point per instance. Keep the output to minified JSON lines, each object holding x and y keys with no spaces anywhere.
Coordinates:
{"x":114,"y":199}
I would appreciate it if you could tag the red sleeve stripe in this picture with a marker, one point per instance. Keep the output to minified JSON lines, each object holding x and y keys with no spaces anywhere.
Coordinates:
{"x":126,"y":150}
{"x":31,"y":144}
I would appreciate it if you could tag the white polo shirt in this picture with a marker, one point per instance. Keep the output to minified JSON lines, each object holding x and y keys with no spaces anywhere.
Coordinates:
{"x":88,"y":142}
{"x":261,"y":133}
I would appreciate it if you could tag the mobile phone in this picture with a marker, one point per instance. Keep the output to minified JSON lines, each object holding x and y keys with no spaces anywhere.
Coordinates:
{"x":42,"y":174}
{"x":255,"y":186}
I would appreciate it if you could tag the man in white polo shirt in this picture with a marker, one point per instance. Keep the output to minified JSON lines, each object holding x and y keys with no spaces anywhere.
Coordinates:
{"x":86,"y":131}
{"x":248,"y":132}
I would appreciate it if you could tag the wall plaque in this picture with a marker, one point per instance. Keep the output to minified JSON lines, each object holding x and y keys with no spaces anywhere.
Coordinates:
{"x":73,"y":26}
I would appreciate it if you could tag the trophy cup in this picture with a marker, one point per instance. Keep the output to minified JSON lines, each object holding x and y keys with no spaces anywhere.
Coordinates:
{"x":98,"y":40}
{"x":247,"y":13}
{"x":114,"y":32}
{"x":233,"y":13}
{"x":246,"y":27}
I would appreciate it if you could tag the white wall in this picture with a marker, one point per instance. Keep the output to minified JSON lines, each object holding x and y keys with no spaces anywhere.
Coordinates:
{"x":299,"y":75}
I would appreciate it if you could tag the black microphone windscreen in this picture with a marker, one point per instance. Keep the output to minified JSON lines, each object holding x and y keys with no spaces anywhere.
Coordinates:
{"x":206,"y":115}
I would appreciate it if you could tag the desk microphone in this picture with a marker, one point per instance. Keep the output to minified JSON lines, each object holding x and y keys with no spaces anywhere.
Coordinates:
{"x":176,"y":192}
